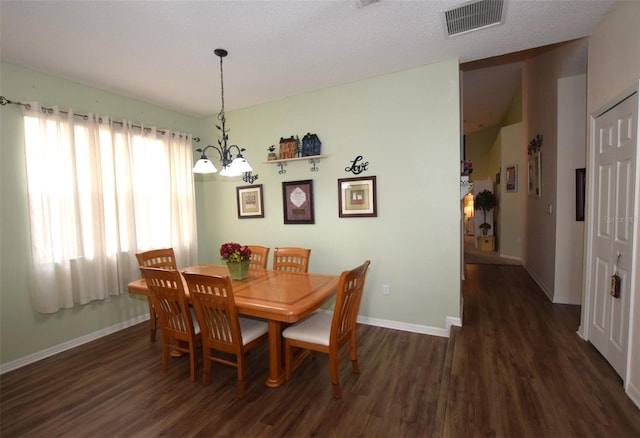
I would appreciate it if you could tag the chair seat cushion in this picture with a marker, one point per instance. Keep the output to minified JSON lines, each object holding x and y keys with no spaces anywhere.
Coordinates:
{"x":252,"y":329}
{"x":316,"y":329}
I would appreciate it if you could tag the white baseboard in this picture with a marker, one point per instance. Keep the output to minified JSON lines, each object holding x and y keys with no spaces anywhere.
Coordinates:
{"x":451,"y":320}
{"x":414,"y":328}
{"x":567,"y":300}
{"x":554,"y":299}
{"x":633,"y":393}
{"x":540,"y":284}
{"x":9,"y":366}
{"x":404,"y":326}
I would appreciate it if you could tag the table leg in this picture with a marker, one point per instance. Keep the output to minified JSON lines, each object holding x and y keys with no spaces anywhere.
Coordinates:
{"x":276,"y":371}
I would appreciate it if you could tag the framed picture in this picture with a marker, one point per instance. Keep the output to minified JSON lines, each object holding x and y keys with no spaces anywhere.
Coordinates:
{"x":250,"y":202}
{"x":511,"y":178}
{"x":581,"y":179}
{"x":297,"y":201}
{"x":534,"y":175}
{"x":357,"y":197}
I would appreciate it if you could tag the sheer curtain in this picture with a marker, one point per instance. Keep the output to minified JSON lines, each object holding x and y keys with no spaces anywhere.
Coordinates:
{"x":99,"y":192}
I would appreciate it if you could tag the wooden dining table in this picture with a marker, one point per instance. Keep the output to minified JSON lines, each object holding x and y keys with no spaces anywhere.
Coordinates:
{"x":279,"y":297}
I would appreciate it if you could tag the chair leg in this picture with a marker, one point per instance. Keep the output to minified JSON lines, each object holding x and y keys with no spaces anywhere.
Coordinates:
{"x":206,"y":369}
{"x":354,"y":357}
{"x":192,"y":361}
{"x":153,"y":320}
{"x":354,"y":365}
{"x":240,"y":367}
{"x":240,"y":389}
{"x":165,"y":354}
{"x":288,"y":359}
{"x":333,"y":365}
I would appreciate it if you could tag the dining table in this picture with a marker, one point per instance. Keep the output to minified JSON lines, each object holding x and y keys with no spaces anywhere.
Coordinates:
{"x":279,"y":297}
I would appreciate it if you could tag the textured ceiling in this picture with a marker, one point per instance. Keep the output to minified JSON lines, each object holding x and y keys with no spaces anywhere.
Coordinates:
{"x":162,"y":51}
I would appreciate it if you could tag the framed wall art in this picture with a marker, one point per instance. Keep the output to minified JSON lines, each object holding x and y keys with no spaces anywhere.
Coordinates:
{"x":357,"y":197}
{"x":511,"y":178}
{"x":250,"y":204}
{"x":297,"y":201}
{"x":534,"y":175}
{"x":581,"y":178}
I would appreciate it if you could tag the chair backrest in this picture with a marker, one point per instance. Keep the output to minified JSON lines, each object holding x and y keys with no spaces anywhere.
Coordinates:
{"x":259,"y":256}
{"x":348,"y":298}
{"x":169,"y":300}
{"x":158,"y":258}
{"x":291,"y":259}
{"x":213,"y":301}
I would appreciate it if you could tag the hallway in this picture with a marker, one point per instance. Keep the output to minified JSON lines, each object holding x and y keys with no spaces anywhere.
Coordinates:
{"x":473,"y":255}
{"x":518,"y":368}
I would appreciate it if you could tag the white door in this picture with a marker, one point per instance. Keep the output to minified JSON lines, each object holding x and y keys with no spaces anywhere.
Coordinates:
{"x":613,"y":207}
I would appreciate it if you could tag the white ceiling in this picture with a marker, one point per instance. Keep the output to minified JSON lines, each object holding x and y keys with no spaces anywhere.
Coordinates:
{"x":161,"y":52}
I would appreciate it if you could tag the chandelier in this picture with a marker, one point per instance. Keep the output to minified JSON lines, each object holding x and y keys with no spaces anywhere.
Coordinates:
{"x":231,"y":165}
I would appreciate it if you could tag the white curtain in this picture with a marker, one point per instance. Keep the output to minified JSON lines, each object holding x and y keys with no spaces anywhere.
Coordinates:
{"x":100,"y":192}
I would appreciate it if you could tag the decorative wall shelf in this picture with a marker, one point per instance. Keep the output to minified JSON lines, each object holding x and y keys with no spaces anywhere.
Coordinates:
{"x":312,"y":159}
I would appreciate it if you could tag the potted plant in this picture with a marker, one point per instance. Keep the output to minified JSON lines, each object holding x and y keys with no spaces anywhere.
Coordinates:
{"x":272,"y":153}
{"x":485,"y":201}
{"x":237,"y":257}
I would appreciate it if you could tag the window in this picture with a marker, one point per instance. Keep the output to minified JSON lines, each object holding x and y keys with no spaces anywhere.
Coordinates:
{"x":99,"y":192}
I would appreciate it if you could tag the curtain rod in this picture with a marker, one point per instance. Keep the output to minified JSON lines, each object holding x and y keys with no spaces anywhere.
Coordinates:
{"x":4,"y":101}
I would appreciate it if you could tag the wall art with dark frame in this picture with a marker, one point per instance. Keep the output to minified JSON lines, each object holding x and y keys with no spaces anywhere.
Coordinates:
{"x":581,"y":179}
{"x":511,"y":178}
{"x":250,"y":204}
{"x":297,"y":202}
{"x":357,"y":197}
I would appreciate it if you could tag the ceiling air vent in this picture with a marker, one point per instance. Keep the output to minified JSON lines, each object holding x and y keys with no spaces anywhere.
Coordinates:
{"x":473,"y":16}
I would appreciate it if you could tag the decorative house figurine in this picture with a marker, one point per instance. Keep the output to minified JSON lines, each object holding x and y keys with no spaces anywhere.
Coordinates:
{"x":298,"y":147}
{"x":287,"y":148}
{"x":272,"y":153}
{"x":310,"y":145}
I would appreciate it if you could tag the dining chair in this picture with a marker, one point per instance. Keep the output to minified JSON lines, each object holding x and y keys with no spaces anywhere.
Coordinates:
{"x":328,"y":333}
{"x":291,"y":259}
{"x":180,"y":328}
{"x":156,"y":258}
{"x":259,"y":256}
{"x":223,"y":330}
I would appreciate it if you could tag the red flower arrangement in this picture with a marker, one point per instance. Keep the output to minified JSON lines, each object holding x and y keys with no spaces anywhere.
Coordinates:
{"x":234,"y":252}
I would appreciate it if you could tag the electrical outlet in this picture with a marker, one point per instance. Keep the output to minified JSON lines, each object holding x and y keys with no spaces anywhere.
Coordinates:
{"x":385,"y":289}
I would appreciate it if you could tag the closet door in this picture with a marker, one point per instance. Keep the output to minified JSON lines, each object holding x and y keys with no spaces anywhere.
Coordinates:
{"x":613,"y":224}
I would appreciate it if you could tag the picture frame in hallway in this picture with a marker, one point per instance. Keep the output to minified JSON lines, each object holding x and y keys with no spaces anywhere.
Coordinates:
{"x":357,"y":197}
{"x":534,"y":175}
{"x":581,"y":179}
{"x":511,"y":178}
{"x":250,"y":204}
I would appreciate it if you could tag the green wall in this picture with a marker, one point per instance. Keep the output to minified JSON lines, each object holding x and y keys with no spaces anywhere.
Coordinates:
{"x":406,"y":125}
{"x":478,"y":148}
{"x":23,"y":331}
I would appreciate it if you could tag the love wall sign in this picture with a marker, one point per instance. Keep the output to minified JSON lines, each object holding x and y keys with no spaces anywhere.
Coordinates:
{"x":357,"y":166}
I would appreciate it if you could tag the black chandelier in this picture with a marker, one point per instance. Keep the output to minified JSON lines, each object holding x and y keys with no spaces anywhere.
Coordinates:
{"x":231,"y":165}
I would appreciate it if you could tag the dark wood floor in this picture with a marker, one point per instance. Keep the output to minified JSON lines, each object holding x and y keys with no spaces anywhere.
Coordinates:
{"x":516,"y":369}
